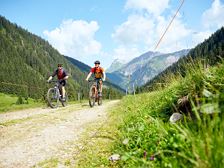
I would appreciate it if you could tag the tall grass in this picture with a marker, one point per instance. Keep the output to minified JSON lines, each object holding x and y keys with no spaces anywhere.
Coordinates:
{"x":197,"y":141}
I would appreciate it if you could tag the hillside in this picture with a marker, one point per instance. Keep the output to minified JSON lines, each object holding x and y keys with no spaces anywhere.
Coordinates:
{"x":83,"y":67}
{"x":138,"y":62}
{"x":143,"y":68}
{"x":27,"y":61}
{"x":210,"y":52}
{"x":156,"y":65}
{"x":116,"y":65}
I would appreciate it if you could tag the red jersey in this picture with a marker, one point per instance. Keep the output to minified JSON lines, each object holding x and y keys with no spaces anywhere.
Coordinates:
{"x":60,"y":73}
{"x":98,"y":72}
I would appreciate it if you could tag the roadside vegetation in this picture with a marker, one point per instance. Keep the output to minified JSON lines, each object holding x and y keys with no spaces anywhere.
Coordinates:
{"x":146,"y":138}
{"x":143,"y":135}
{"x":196,"y":141}
{"x":13,"y":103}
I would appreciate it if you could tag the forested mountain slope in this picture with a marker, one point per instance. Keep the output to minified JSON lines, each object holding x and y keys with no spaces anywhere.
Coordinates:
{"x":27,"y":61}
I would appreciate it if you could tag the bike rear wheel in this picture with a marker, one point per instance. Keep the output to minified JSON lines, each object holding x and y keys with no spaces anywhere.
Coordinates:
{"x":100,"y":100}
{"x":92,"y":96}
{"x":53,"y":97}
{"x":65,"y":103}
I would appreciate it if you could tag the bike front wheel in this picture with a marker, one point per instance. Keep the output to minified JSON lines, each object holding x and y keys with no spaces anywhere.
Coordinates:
{"x":53,"y":97}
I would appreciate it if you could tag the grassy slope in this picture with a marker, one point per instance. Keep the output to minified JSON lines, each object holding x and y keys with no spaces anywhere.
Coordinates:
{"x":8,"y":103}
{"x":153,"y":141}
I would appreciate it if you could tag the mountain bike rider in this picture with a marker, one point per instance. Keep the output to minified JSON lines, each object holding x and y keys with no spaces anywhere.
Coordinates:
{"x":62,"y":77}
{"x":99,"y":73}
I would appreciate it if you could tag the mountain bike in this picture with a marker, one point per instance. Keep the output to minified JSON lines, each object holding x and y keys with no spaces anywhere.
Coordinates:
{"x":54,"y":96}
{"x":94,"y":93}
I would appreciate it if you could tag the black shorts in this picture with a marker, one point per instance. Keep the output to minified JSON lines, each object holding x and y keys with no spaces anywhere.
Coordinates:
{"x":98,"y":79}
{"x":62,"y":82}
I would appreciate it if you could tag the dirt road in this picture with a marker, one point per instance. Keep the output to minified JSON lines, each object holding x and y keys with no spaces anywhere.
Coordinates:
{"x":29,"y":137}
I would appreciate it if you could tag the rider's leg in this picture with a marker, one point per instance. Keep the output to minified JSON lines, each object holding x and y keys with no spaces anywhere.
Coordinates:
{"x":101,"y":86}
{"x":63,"y":91}
{"x":95,"y":91}
{"x":62,"y":88}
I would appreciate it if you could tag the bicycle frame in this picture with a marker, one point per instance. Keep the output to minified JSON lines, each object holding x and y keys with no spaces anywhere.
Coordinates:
{"x":56,"y":89}
{"x":96,"y":85}
{"x":94,"y":98}
{"x":56,"y":95}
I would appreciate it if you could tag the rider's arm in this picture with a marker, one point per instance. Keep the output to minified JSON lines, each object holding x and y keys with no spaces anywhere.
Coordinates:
{"x":89,"y":75}
{"x":65,"y":78}
{"x":65,"y":75}
{"x":104,"y":76}
{"x":49,"y":79}
{"x":55,"y":73}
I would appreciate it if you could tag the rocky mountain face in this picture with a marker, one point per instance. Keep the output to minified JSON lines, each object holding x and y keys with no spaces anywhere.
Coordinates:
{"x":143,"y":68}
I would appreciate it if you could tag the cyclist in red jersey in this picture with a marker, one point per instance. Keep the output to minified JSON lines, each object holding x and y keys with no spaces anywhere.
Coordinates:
{"x":99,"y":74}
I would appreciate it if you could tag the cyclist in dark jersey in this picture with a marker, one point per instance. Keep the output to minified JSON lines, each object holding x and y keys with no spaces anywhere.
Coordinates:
{"x":99,"y":74}
{"x":62,"y":77}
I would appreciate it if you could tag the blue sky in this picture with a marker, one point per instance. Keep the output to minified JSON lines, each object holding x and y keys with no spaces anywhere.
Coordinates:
{"x":115,"y":29}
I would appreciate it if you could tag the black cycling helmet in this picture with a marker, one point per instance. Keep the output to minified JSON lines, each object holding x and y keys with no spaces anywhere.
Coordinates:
{"x":97,"y":62}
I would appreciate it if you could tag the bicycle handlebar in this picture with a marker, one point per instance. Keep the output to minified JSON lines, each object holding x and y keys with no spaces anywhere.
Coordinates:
{"x":51,"y":81}
{"x":91,"y":80}
{"x":94,"y":80}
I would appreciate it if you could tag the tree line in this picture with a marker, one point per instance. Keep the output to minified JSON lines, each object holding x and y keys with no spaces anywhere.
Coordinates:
{"x":27,"y":61}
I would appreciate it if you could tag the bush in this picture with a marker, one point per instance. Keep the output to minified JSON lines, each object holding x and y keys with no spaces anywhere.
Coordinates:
{"x":20,"y":100}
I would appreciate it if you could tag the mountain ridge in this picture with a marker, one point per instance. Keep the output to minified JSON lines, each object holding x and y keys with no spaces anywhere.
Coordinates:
{"x":141,"y":69}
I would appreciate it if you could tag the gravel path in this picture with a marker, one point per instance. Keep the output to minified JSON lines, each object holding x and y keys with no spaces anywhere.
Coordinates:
{"x":31,"y":136}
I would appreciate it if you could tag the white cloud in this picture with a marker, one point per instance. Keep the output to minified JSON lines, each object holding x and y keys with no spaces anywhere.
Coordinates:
{"x":171,"y":59}
{"x":213,"y":18}
{"x":145,"y":26}
{"x":143,"y":32}
{"x":136,"y":29}
{"x":126,"y":54}
{"x":155,"y":7}
{"x":75,"y":38}
{"x":175,"y":38}
{"x":199,"y":37}
{"x":147,"y":22}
